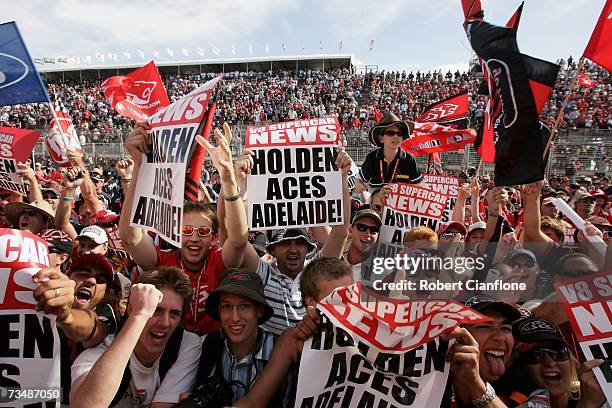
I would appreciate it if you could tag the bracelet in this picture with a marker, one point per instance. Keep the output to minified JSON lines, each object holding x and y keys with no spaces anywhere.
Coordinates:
{"x":234,"y":197}
{"x":126,"y":179}
{"x":67,"y":198}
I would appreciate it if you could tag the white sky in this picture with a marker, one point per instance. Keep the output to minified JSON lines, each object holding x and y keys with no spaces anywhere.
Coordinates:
{"x":408,"y":34}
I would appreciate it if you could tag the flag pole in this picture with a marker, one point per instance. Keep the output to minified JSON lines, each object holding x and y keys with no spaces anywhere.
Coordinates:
{"x":565,"y":101}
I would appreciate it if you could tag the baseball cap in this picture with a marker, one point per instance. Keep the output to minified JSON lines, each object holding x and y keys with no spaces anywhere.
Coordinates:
{"x":99,"y":260}
{"x":97,"y":234}
{"x":481,"y":302}
{"x":97,"y":173}
{"x":103,"y":217}
{"x":528,"y":332}
{"x":366,"y":211}
{"x":584,"y":195}
{"x":565,"y":179}
{"x":58,"y":240}
{"x":521,"y":252}
{"x":455,"y":225}
{"x":52,"y":190}
{"x":549,"y":200}
{"x":477,"y":225}
{"x":240,"y":283}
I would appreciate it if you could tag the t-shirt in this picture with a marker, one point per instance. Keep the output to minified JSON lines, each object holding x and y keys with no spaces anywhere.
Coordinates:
{"x":195,"y":317}
{"x":376,"y":171}
{"x":145,"y":387}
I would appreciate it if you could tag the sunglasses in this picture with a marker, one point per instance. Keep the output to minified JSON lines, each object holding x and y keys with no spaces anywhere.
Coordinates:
{"x":450,"y":234}
{"x":392,"y":133}
{"x":536,"y":356}
{"x":363,"y":228}
{"x":523,"y":265}
{"x":30,"y":213}
{"x":202,"y":231}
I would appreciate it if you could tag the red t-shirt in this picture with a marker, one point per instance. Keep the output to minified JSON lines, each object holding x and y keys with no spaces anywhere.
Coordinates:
{"x":195,"y":318}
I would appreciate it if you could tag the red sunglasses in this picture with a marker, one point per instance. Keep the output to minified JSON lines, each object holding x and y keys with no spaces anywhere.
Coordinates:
{"x":202,"y":231}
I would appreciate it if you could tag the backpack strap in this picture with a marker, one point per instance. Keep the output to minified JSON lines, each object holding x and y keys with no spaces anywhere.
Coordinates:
{"x":166,"y":361}
{"x":212,"y":352}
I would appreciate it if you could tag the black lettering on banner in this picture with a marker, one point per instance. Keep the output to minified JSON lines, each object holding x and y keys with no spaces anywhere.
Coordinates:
{"x":338,"y":371}
{"x":6,"y":335}
{"x":274,"y":191}
{"x":37,"y":333}
{"x":354,"y":375}
{"x":378,"y":382}
{"x":170,"y":145}
{"x":162,"y":183}
{"x":6,"y":370}
{"x":398,"y":236}
{"x":163,"y":217}
{"x":603,"y":351}
{"x":403,"y":392}
{"x":319,"y":190}
{"x":289,"y":188}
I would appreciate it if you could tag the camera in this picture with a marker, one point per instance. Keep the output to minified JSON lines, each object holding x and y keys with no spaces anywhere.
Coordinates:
{"x":214,"y":392}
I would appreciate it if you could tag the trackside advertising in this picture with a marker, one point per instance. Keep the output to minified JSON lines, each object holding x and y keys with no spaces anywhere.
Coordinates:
{"x":376,"y":354}
{"x":15,"y":147}
{"x":588,"y":304}
{"x":30,"y":351}
{"x":294,"y":180}
{"x":409,"y":206}
{"x":159,"y":194}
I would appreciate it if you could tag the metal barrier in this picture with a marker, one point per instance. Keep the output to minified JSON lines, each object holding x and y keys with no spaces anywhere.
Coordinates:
{"x":583,"y":145}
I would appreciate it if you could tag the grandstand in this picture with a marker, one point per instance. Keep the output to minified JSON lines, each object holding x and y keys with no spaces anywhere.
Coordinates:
{"x":275,"y":89}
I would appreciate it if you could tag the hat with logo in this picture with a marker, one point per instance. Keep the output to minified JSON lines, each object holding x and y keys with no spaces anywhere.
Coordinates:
{"x":477,"y":225}
{"x":103,"y":217}
{"x":57,"y":240}
{"x":454,"y":226}
{"x":95,"y":233}
{"x":240,"y":283}
{"x":481,"y":302}
{"x":290,"y":234}
{"x":528,"y":332}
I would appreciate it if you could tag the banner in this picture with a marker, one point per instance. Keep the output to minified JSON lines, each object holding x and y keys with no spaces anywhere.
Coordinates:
{"x":19,"y":82}
{"x":453,"y":111}
{"x":62,"y":136}
{"x":599,"y":48}
{"x":588,"y":306}
{"x":585,"y":81}
{"x":159,"y":193}
{"x":378,"y":354}
{"x":137,"y":95}
{"x":294,"y":181}
{"x":430,"y":138}
{"x":16,"y":145}
{"x":443,"y":184}
{"x":30,"y":352}
{"x":410,"y":206}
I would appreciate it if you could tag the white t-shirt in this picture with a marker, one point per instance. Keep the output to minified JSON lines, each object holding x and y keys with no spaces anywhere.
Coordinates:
{"x":145,"y":387}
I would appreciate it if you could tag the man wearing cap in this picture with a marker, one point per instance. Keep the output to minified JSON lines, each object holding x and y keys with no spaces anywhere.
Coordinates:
{"x":584,"y":204}
{"x":97,"y":177}
{"x":363,"y":235}
{"x":92,"y":240}
{"x":241,"y":349}
{"x":494,"y":343}
{"x":548,"y":208}
{"x":52,"y":196}
{"x":524,"y":262}
{"x":389,"y":163}
{"x":475,"y":235}
{"x":60,"y":247}
{"x":34,"y":217}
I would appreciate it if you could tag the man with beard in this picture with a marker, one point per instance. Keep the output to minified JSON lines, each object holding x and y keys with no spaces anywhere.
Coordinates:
{"x":584,"y":204}
{"x":199,"y":256}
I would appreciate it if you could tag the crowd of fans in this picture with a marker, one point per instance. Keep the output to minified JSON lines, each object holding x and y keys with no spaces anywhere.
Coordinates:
{"x":278,"y":96}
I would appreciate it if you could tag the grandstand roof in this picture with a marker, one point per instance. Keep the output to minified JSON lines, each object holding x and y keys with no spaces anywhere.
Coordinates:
{"x":257,"y":64}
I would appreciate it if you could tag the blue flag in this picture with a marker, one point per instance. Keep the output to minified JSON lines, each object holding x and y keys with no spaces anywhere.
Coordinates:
{"x":19,"y":80}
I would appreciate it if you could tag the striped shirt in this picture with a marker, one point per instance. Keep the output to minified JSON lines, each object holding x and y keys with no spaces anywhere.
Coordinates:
{"x":247,"y":369}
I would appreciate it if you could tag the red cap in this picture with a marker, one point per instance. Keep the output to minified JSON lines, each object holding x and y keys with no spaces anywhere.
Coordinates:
{"x":459,"y":227}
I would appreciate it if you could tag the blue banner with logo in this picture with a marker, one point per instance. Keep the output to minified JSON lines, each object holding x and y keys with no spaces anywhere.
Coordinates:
{"x":19,"y":80}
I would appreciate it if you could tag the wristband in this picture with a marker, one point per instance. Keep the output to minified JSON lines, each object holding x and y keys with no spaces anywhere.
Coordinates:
{"x":126,"y":179}
{"x":67,"y":198}
{"x":234,"y":197}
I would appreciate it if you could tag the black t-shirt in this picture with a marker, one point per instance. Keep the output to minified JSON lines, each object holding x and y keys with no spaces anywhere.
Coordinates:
{"x":377,"y":172}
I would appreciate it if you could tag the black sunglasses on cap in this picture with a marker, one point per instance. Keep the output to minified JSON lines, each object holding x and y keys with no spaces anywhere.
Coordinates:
{"x":536,"y":356}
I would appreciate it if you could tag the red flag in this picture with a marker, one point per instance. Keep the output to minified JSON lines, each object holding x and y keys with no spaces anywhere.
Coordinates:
{"x":378,"y":115}
{"x":137,"y":95}
{"x":599,"y":48}
{"x":450,"y":111}
{"x":17,"y":143}
{"x":62,"y":136}
{"x":472,"y":9}
{"x":435,"y":164}
{"x":514,"y":21}
{"x":430,"y":138}
{"x":584,"y":80}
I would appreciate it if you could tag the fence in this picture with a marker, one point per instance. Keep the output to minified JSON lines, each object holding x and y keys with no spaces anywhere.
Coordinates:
{"x":583,"y":145}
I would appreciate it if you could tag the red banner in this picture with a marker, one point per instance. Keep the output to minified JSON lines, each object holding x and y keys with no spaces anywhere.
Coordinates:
{"x":430,"y":138}
{"x":452,"y":109}
{"x":62,"y":137}
{"x":21,"y":256}
{"x":304,"y":132}
{"x":584,"y":80}
{"x":137,"y":95}
{"x":17,"y":143}
{"x":599,"y":48}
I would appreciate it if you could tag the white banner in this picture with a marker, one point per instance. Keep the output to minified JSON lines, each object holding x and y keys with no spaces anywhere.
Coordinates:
{"x":160,"y":187}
